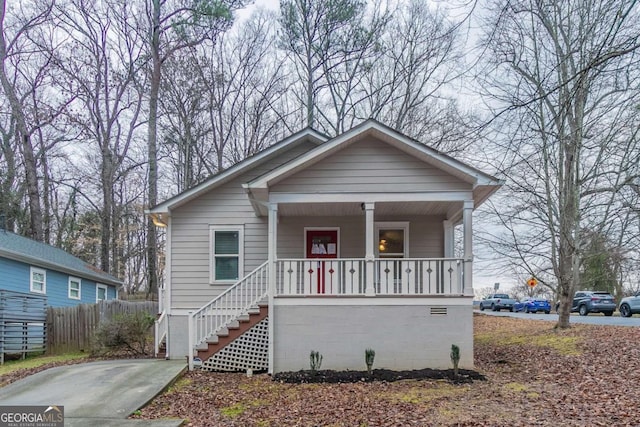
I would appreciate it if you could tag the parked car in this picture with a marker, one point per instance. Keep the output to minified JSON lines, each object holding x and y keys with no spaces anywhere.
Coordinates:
{"x":532,"y":305}
{"x":629,"y":305}
{"x":585,"y":302}
{"x":497,"y":302}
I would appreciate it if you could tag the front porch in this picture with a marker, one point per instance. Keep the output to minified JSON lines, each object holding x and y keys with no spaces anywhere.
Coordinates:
{"x":385,"y":266}
{"x":422,"y":299}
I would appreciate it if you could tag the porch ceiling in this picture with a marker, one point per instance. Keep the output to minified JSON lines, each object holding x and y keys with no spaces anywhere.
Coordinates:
{"x":382,"y":209}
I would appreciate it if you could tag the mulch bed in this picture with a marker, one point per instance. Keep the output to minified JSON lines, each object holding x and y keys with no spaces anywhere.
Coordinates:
{"x":338,"y":377}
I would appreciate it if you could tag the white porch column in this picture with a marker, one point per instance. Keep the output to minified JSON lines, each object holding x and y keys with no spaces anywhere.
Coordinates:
{"x":370,"y":253}
{"x":272,"y":257}
{"x":448,"y":238}
{"x":467,"y":224}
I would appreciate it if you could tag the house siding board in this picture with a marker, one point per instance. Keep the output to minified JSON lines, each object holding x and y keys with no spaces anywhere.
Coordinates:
{"x":426,"y":235}
{"x":386,"y":169}
{"x":42,"y":255}
{"x":112,"y":292}
{"x":291,"y":235}
{"x":404,"y":337}
{"x":15,"y":276}
{"x":224,"y":205}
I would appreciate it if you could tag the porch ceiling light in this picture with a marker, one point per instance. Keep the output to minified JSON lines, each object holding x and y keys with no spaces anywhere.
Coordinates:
{"x":158,"y":221}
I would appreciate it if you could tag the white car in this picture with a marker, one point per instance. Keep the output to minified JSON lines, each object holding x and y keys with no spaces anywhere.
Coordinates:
{"x":629,"y":305}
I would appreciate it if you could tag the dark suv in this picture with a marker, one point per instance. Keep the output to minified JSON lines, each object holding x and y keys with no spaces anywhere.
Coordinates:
{"x":585,"y":302}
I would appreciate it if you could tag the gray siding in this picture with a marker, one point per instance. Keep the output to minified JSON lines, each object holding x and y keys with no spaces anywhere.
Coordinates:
{"x":291,"y":235}
{"x":386,"y":169}
{"x":225,"y":205}
{"x":370,"y":164}
{"x":403,"y":336}
{"x":426,"y":235}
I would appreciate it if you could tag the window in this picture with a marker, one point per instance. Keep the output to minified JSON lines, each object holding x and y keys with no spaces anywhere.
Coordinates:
{"x":226,"y":254}
{"x":101,"y":293}
{"x":393,"y":239}
{"x":74,"y":287}
{"x":38,"y":281}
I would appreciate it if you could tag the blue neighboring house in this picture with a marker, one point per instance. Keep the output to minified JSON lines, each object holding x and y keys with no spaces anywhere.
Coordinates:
{"x":34,"y":267}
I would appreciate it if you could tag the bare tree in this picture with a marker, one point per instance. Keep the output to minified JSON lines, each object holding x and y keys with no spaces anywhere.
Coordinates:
{"x":224,"y":101}
{"x":173,"y":26}
{"x":330,"y":46}
{"x":184,"y":122}
{"x":15,"y":45}
{"x":410,"y":86}
{"x":102,"y":59}
{"x":10,"y":189}
{"x":567,"y":73}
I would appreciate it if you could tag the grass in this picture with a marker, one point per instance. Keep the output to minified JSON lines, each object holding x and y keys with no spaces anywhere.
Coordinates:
{"x":535,"y":334}
{"x":233,"y":411}
{"x":423,"y":393}
{"x":179,"y":385}
{"x":37,"y":361}
{"x":565,"y":345}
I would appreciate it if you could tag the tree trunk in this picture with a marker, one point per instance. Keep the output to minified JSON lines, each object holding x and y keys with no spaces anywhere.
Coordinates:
{"x":152,"y":240}
{"x":23,"y":136}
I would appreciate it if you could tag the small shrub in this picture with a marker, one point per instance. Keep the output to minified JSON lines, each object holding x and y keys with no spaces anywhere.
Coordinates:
{"x":125,"y":334}
{"x":455,"y":358}
{"x":369,"y":356}
{"x":315,"y":360}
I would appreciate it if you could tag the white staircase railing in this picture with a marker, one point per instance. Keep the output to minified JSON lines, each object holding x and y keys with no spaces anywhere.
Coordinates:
{"x":161,"y":330}
{"x":226,"y":307}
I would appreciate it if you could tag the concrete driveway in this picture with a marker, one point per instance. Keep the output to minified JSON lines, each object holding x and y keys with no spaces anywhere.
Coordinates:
{"x":98,"y":393}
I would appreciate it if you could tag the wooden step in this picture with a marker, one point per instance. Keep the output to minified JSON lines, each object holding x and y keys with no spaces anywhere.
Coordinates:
{"x":230,"y":334}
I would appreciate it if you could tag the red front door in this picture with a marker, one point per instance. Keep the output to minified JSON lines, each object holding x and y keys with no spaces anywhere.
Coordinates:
{"x":322,"y":244}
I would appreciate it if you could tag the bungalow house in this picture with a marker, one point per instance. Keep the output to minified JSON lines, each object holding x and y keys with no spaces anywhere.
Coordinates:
{"x":31,"y":267}
{"x":333,"y":245}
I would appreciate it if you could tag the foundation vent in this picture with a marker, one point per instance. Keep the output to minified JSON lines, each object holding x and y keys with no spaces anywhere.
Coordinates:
{"x":438,"y":311}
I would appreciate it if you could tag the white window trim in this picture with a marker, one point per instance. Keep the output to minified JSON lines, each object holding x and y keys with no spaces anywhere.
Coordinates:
{"x":393,"y":225}
{"x":79,"y":281}
{"x":106,"y":292}
{"x":33,"y":270}
{"x":212,"y":234}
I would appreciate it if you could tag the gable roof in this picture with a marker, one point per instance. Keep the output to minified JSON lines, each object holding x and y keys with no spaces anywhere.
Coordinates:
{"x":483,"y":184}
{"x":218,"y":179}
{"x":19,"y":248}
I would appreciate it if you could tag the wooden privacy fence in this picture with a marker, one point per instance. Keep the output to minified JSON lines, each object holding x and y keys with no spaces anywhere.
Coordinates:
{"x":70,"y":329}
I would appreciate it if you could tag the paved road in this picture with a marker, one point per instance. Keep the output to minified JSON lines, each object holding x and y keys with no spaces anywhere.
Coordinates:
{"x":591,"y":319}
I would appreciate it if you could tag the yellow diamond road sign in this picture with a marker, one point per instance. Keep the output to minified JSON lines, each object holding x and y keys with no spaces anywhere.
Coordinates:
{"x":532,"y":282}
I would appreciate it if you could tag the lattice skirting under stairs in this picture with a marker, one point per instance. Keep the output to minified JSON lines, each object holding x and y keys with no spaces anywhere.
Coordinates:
{"x":249,"y":351}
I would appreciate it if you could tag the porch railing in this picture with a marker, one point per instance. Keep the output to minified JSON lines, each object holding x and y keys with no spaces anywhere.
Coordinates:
{"x":388,"y":276}
{"x":227,"y":307}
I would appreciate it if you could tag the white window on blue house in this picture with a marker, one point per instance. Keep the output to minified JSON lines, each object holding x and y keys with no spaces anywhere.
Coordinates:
{"x":38,"y":281}
{"x":75,"y":286}
{"x":101,"y":293}
{"x":226,"y":260}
